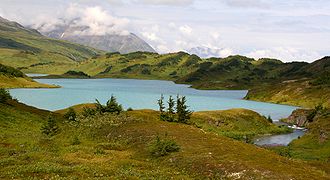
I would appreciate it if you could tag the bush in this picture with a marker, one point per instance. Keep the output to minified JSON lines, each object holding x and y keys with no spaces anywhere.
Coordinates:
{"x":269,"y":119}
{"x":70,"y":115}
{"x":129,"y":109}
{"x":4,"y":96}
{"x":112,"y":106}
{"x":87,"y":112}
{"x":162,"y":147}
{"x":50,"y":128}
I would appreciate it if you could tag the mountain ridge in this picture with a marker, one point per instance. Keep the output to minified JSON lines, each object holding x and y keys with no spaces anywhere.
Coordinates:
{"x":123,"y":43}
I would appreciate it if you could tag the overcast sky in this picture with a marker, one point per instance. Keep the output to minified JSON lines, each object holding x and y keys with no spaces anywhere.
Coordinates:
{"x":290,"y":30}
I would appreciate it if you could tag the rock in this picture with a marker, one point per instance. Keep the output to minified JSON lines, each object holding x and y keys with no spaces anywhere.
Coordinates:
{"x":299,"y":117}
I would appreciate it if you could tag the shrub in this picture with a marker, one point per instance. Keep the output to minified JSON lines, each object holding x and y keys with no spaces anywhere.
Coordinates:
{"x":87,"y":112}
{"x":269,"y":119}
{"x":70,"y":115}
{"x":129,"y":109}
{"x":317,"y":109}
{"x":4,"y":96}
{"x":50,"y":128}
{"x":162,"y":147}
{"x":111,"y":106}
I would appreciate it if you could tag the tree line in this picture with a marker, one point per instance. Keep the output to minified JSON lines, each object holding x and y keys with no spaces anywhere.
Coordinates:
{"x":176,"y":111}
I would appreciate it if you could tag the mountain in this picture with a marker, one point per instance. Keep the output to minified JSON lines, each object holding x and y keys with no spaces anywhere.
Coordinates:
{"x":106,"y":42}
{"x":27,"y":49}
{"x":206,"y":52}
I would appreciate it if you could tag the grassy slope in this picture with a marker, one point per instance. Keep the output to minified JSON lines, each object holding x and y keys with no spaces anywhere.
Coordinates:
{"x":117,"y":147}
{"x":32,"y":52}
{"x":314,"y":146}
{"x":300,"y":93}
{"x":240,"y":124}
{"x":13,"y":78}
{"x":19,"y":82}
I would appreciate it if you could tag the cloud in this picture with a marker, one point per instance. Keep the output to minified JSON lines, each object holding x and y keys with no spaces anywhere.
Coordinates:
{"x":286,"y":54}
{"x":186,"y":30}
{"x":225,"y":52}
{"x":96,"y":20}
{"x":166,"y":2}
{"x":151,"y":36}
{"x":247,"y":3}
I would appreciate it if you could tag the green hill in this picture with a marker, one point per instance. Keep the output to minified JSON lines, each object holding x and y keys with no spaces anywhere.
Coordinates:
{"x":109,"y":146}
{"x":27,"y":49}
{"x":314,"y":146}
{"x":13,"y":78}
{"x":295,"y":83}
{"x":308,"y":86}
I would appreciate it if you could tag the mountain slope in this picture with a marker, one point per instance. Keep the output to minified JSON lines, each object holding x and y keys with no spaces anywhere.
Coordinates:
{"x":107,"y":42}
{"x":25,"y":48}
{"x":13,"y":78}
{"x":117,"y":147}
{"x":308,"y":87}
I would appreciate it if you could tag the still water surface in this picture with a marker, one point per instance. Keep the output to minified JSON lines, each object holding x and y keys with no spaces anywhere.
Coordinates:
{"x":140,"y":94}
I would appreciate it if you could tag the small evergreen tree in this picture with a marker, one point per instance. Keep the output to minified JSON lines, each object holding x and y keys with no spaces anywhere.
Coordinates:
{"x":182,"y":111}
{"x":70,"y":115}
{"x":4,"y":95}
{"x":113,"y":106}
{"x":50,"y":128}
{"x":269,"y":118}
{"x":161,"y":105}
{"x":170,"y":110}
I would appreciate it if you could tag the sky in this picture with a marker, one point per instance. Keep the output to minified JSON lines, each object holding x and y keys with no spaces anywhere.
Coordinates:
{"x":290,"y":30}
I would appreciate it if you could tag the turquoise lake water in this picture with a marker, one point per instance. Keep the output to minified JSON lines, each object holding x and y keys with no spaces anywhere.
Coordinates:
{"x":140,"y":94}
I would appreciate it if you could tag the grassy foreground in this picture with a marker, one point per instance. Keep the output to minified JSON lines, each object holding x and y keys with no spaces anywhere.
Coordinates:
{"x":109,"y":146}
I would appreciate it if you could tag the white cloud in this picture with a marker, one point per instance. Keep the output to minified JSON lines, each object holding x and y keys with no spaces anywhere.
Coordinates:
{"x":98,"y":21}
{"x":186,"y":30}
{"x":151,"y":36}
{"x":172,"y":25}
{"x":226,"y":52}
{"x":247,"y":3}
{"x":285,"y":54}
{"x":166,"y":2}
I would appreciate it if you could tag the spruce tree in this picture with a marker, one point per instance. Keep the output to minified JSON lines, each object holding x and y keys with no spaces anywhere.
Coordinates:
{"x":113,"y":106}
{"x":170,"y":110}
{"x":70,"y":115}
{"x":161,"y":105}
{"x":50,"y":128}
{"x":183,"y":113}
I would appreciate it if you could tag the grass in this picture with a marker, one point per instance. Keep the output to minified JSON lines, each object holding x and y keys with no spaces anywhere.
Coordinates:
{"x":118,"y":147}
{"x":14,"y":82}
{"x":314,"y":146}
{"x":240,"y":124}
{"x":300,"y":93}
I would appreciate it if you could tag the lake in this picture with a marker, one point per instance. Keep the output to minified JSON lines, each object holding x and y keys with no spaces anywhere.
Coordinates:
{"x":140,"y":94}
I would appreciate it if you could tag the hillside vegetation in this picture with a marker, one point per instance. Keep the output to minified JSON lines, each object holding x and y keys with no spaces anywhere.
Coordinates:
{"x":119,"y":146}
{"x":314,"y":146}
{"x":26,"y":49}
{"x":13,"y":78}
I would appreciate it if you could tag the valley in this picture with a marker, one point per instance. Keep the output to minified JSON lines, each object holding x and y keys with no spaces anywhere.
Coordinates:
{"x":49,"y":132}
